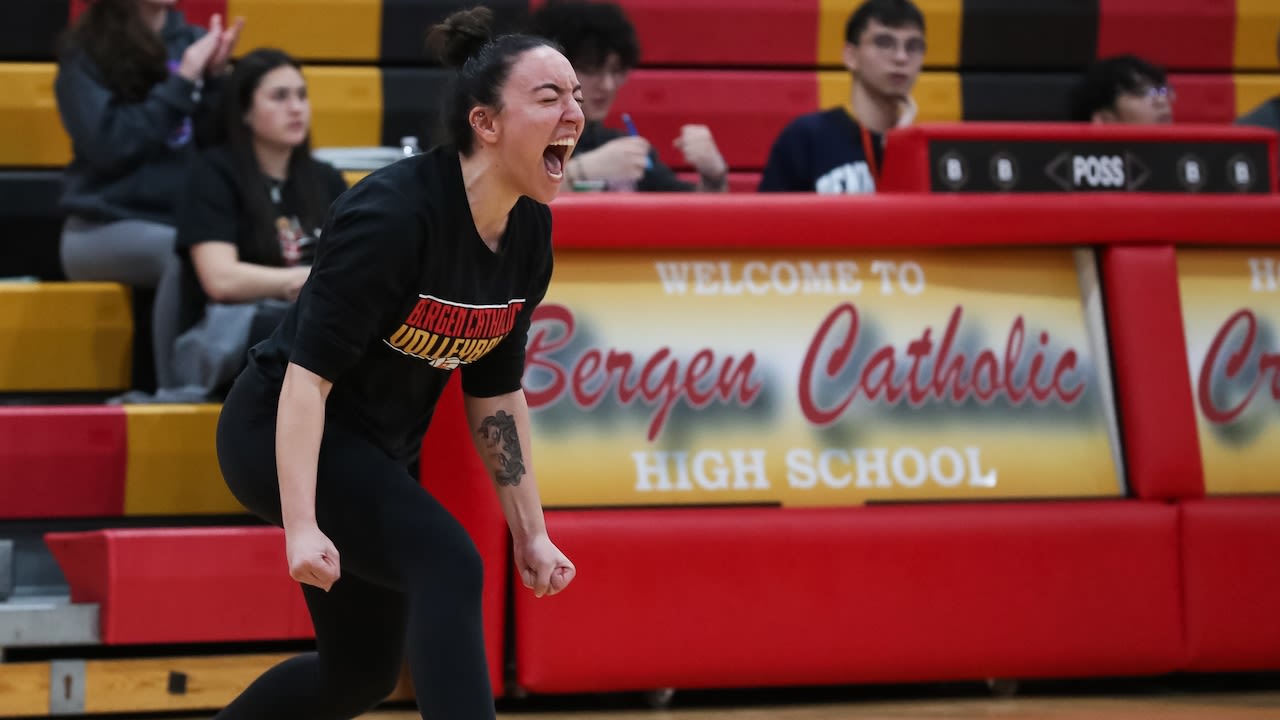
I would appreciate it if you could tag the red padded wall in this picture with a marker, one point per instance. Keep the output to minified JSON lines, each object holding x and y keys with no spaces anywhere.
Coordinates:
{"x":1153,"y":382}
{"x":741,"y":597}
{"x":1232,"y":583}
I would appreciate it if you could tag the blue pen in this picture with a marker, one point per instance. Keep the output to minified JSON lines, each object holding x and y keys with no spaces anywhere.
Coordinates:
{"x":631,"y":128}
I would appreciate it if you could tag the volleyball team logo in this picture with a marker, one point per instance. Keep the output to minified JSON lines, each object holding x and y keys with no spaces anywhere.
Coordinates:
{"x":448,"y":334}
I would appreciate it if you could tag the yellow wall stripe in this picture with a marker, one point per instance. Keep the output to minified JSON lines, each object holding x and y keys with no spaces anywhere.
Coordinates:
{"x":1257,"y":27}
{"x":1253,"y":90}
{"x":312,"y":29}
{"x":943,"y":20}
{"x":65,"y":336}
{"x":172,"y":462}
{"x":937,"y":94}
{"x":346,"y":106}
{"x":30,"y":129}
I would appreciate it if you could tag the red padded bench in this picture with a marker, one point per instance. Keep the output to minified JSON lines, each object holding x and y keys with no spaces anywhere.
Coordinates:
{"x":62,"y":461}
{"x":180,"y":585}
{"x":696,"y":598}
{"x":1231,"y":583}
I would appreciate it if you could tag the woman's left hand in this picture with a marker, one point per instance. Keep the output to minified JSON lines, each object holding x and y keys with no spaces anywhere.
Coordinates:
{"x":543,"y":568}
{"x":226,"y":46}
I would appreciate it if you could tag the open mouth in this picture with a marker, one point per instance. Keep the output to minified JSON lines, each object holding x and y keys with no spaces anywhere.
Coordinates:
{"x":555,"y":157}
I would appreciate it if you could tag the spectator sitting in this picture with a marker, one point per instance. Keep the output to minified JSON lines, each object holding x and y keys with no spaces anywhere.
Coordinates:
{"x":840,"y":150}
{"x":1123,"y":89}
{"x":601,"y":42}
{"x":133,"y":79}
{"x":249,"y":218}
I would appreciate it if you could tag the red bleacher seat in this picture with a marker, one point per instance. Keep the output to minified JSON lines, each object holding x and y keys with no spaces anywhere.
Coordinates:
{"x":745,"y":110}
{"x":769,"y":597}
{"x":61,"y":461}
{"x":1181,"y":34}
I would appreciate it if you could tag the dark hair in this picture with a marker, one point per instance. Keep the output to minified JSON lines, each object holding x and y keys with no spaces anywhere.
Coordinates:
{"x":1108,"y":78}
{"x":307,"y":188}
{"x":588,"y":31}
{"x":890,"y":13}
{"x":114,"y":36}
{"x":464,"y":41}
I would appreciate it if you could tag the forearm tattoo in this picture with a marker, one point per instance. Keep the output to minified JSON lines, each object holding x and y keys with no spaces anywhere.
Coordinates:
{"x":502,"y":448}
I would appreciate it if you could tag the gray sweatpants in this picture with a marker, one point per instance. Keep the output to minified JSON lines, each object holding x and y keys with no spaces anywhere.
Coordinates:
{"x":132,"y":252}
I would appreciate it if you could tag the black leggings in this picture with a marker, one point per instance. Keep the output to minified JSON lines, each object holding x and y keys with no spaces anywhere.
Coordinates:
{"x":410,"y":585}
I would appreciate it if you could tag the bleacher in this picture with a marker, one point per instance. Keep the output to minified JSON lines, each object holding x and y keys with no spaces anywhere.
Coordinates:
{"x":126,"y":539}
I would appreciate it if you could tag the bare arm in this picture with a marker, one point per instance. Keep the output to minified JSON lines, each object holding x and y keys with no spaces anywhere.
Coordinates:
{"x":500,"y":429}
{"x":299,"y":426}
{"x":226,"y":279}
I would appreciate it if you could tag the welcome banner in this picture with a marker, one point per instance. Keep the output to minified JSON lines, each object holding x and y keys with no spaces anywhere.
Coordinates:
{"x":1230,"y":310}
{"x":821,"y":378}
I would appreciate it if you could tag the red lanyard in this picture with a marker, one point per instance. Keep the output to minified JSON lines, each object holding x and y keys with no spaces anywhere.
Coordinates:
{"x":868,"y":149}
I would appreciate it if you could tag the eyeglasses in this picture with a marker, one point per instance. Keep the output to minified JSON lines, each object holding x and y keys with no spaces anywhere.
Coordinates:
{"x":889,"y":44}
{"x":1154,"y":92}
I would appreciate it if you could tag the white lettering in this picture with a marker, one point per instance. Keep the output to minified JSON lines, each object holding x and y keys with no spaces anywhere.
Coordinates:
{"x":917,"y":461}
{"x":1263,"y":272}
{"x":744,"y":468}
{"x":1105,"y":171}
{"x":911,"y":277}
{"x":705,"y":279}
{"x":867,"y":468}
{"x":791,"y":284}
{"x":956,"y":463}
{"x":847,"y":282}
{"x":824,"y":467}
{"x":648,"y":466}
{"x":800,"y":472}
{"x":674,"y":276}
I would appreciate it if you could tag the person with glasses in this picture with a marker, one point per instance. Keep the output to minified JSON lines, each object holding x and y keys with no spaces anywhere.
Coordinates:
{"x":601,"y":42}
{"x":1123,"y":89}
{"x":840,"y":150}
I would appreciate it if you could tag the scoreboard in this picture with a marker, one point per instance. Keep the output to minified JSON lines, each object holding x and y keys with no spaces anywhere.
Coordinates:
{"x":1071,"y":158}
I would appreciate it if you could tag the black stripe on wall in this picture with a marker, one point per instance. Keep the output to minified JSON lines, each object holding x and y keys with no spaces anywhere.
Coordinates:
{"x":411,"y":98}
{"x":997,"y":97}
{"x":29,"y":29}
{"x":405,"y":23}
{"x":1029,"y":34}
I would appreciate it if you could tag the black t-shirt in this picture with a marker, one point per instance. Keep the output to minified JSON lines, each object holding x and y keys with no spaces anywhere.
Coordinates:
{"x":211,"y":209}
{"x":403,"y":290}
{"x":658,"y":178}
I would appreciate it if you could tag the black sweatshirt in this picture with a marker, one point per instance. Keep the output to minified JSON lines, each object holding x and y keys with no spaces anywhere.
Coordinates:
{"x":130,"y":159}
{"x":403,"y":290}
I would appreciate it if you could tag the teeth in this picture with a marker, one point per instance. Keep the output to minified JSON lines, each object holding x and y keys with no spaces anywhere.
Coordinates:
{"x":567,"y":142}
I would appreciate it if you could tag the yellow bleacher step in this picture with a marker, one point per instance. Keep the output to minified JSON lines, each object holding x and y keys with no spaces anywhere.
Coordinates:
{"x":173,"y":463}
{"x":65,"y":336}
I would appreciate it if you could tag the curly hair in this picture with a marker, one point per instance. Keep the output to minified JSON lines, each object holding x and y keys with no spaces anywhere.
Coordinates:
{"x":130,"y":55}
{"x":588,"y":32}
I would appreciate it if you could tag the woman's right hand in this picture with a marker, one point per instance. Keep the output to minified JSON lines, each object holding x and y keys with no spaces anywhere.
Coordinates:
{"x":313,"y":559}
{"x":198,"y":54}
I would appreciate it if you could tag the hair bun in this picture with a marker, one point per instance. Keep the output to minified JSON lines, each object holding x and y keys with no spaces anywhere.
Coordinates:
{"x":461,"y":35}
